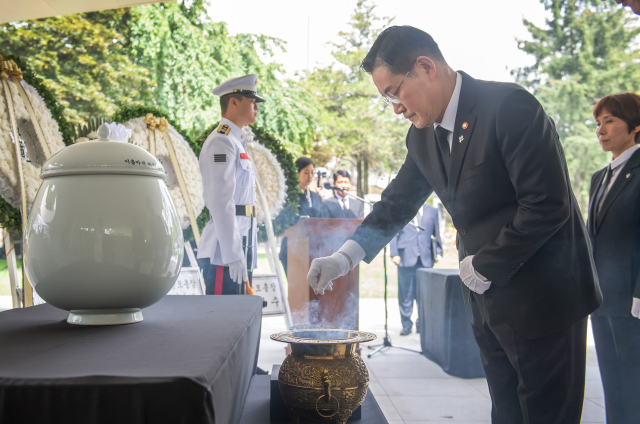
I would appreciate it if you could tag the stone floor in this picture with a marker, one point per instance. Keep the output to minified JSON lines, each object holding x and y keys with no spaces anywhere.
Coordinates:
{"x":413,"y":390}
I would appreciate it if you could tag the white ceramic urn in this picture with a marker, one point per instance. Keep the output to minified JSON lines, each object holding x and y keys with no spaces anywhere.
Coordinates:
{"x":103,"y":238}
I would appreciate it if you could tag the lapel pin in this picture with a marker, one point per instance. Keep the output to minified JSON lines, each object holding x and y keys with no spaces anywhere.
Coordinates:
{"x":465,"y":125}
{"x":629,"y":175}
{"x":461,"y":139}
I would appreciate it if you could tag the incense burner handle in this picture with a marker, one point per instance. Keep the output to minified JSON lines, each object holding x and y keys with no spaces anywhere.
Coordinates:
{"x":326,"y":382}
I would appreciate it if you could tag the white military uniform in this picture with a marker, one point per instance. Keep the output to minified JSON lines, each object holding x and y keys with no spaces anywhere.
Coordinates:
{"x":228,"y":180}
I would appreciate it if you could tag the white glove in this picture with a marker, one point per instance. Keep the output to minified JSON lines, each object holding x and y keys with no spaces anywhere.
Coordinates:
{"x":324,"y":270}
{"x":635,"y":308}
{"x":238,"y":271}
{"x":470,"y":277}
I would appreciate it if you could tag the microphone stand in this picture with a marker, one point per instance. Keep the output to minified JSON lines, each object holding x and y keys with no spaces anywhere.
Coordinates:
{"x":387,"y":340}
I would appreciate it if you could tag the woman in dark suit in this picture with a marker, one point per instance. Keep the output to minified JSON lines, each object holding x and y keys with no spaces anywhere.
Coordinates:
{"x":310,"y":203}
{"x":614,"y":227}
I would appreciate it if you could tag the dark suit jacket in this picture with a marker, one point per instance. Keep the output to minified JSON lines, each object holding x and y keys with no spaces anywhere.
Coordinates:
{"x":315,"y":210}
{"x":334,"y":210}
{"x":510,"y":200}
{"x":615,"y":235}
{"x":411,"y":243}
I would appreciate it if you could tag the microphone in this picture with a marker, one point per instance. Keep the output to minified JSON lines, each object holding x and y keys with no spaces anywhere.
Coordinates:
{"x":328,"y":186}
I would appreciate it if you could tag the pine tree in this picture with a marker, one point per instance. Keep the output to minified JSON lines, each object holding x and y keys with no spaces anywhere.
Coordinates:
{"x":586,"y":51}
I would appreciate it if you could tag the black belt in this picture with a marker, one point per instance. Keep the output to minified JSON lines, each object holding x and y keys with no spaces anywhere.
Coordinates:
{"x":245,"y":210}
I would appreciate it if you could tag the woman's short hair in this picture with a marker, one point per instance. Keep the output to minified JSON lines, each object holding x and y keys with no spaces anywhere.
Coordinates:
{"x":625,"y":106}
{"x":303,"y":162}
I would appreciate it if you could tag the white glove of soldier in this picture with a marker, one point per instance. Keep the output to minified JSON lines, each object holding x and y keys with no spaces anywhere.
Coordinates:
{"x":471,"y":278}
{"x":324,"y":270}
{"x":635,"y":308}
{"x":238,"y":271}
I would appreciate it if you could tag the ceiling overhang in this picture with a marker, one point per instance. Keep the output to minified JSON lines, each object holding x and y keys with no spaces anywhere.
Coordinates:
{"x":23,"y":10}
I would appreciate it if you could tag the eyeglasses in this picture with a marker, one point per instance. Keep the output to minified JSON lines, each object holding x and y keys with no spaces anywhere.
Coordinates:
{"x":391,"y":99}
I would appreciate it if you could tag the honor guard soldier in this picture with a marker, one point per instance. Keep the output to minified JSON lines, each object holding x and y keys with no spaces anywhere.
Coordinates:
{"x":229,"y":192}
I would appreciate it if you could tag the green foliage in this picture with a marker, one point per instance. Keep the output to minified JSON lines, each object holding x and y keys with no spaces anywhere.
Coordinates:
{"x":188,"y":55}
{"x":586,"y":51}
{"x":10,"y":218}
{"x":357,"y":124}
{"x":165,"y":55}
{"x":82,"y":60}
{"x":289,"y":212}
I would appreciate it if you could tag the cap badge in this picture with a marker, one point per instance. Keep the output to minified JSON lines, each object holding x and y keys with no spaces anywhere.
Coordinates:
{"x":465,"y":125}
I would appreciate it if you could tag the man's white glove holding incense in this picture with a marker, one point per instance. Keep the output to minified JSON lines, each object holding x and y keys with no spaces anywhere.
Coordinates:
{"x":324,"y":270}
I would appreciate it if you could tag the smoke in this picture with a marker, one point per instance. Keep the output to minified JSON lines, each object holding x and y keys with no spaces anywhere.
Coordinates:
{"x":333,"y":309}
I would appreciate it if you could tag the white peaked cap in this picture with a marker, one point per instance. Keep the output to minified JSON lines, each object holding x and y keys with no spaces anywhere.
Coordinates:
{"x":245,"y":85}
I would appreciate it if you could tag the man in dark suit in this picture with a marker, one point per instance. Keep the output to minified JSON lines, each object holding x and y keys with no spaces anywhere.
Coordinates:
{"x":411,"y":249}
{"x":493,"y":157}
{"x":340,"y":205}
{"x":614,"y":227}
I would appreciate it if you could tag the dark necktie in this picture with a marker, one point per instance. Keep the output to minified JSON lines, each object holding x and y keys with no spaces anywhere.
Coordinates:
{"x":599,"y":197}
{"x":443,"y":143}
{"x":602,"y":189}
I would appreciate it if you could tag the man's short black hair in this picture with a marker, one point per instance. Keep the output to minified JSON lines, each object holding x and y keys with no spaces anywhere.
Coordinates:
{"x":342,"y":173}
{"x":397,"y":47}
{"x":224,"y":101}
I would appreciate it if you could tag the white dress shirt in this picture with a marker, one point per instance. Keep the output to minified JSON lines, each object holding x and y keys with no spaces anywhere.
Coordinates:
{"x":449,"y":117}
{"x":343,"y":201}
{"x":616,"y":165}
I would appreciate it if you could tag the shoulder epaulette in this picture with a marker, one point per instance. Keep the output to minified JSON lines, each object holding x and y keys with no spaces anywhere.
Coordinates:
{"x":224,"y":129}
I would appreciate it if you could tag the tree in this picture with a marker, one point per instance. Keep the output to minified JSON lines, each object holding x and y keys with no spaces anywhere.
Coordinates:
{"x":82,"y":60}
{"x":356,"y":123}
{"x":586,"y":52}
{"x":165,"y":55}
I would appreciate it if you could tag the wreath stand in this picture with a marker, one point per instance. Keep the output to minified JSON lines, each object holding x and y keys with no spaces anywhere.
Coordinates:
{"x":9,"y":71}
{"x":271,"y":243}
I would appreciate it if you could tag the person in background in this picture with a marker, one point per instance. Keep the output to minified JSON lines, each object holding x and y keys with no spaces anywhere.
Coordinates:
{"x":614,"y":227}
{"x":310,"y":203}
{"x":411,"y":249}
{"x":228,"y":183}
{"x":340,"y":205}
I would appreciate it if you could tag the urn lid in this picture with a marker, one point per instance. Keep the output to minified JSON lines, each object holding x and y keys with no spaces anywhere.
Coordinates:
{"x":102,"y":157}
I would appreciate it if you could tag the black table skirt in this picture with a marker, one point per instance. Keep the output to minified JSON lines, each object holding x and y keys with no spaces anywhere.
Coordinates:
{"x":189,"y":361}
{"x":445,"y":325}
{"x":256,"y":407}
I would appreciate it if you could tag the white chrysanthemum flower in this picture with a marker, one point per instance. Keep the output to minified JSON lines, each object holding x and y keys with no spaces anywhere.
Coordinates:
{"x":33,"y":155}
{"x":186,"y":159}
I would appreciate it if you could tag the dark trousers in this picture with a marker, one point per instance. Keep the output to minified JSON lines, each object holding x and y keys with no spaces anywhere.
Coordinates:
{"x":618,"y":347}
{"x":218,"y":281}
{"x":539,"y":381}
{"x":407,"y":292}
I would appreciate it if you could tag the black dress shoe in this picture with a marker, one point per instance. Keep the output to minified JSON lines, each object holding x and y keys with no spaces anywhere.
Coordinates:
{"x":405,"y":332}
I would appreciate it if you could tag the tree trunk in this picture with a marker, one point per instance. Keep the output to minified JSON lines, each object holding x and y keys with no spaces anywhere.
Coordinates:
{"x":359,"y":177}
{"x":365,"y":174}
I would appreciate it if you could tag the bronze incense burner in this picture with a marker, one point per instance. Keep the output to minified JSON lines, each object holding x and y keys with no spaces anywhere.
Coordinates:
{"x":323,"y":379}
